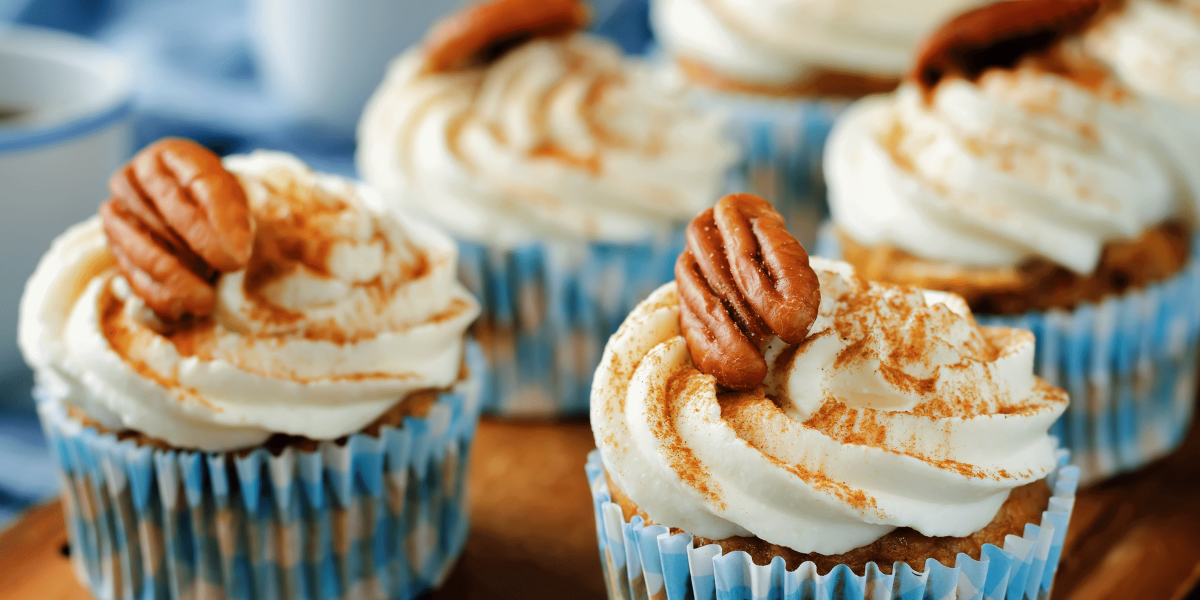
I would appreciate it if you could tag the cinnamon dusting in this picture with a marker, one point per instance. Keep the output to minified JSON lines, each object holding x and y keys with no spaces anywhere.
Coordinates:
{"x":661,"y":408}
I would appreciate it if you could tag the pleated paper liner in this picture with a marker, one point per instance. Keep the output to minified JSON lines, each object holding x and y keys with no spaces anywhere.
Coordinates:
{"x":1128,"y":362}
{"x":548,"y":310}
{"x":647,"y":562}
{"x":375,"y":517}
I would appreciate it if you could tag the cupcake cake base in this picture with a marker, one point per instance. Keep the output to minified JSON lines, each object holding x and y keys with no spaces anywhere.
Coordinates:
{"x":380,"y":514}
{"x":651,"y":561}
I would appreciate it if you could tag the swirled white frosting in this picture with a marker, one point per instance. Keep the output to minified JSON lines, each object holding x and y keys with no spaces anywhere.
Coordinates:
{"x":343,"y":311}
{"x":560,"y":137}
{"x":777,"y":42}
{"x":1155,"y":47}
{"x":898,"y":410}
{"x":1021,"y":163}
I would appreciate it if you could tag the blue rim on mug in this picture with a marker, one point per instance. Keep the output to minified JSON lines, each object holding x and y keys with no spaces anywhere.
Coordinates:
{"x":113,"y":100}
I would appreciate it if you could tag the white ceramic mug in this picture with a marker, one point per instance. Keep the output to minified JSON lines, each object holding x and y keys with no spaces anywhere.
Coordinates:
{"x":321,"y":59}
{"x":65,"y":125}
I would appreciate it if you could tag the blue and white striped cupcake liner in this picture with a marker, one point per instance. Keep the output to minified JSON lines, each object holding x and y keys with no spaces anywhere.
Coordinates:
{"x":548,"y":310}
{"x":1128,"y":362}
{"x":649,"y":563}
{"x":374,"y":517}
{"x":783,"y":147}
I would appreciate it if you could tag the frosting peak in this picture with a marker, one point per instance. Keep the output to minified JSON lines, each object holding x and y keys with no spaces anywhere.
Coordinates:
{"x":559,"y":137}
{"x":898,"y":410}
{"x":1154,"y":46}
{"x":898,"y":349}
{"x":1052,"y":158}
{"x":343,"y":310}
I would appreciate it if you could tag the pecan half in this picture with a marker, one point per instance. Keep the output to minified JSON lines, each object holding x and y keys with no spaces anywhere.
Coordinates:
{"x":176,"y":219}
{"x":998,"y":35}
{"x":742,"y":278}
{"x":484,"y":31}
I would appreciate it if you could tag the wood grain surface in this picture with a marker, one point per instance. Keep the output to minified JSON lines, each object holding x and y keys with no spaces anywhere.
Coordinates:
{"x":533,"y":534}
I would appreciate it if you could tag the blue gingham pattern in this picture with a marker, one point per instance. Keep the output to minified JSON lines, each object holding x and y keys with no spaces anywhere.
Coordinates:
{"x":373,"y":517}
{"x":783,"y":147}
{"x":549,"y":308}
{"x":648,"y":563}
{"x":1128,"y":363}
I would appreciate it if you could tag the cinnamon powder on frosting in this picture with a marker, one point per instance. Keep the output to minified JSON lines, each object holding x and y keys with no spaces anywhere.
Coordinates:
{"x":662,"y":406}
{"x":741,"y":410}
{"x":292,"y":234}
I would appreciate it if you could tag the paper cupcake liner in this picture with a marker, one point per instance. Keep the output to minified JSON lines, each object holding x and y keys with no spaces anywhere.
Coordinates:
{"x":647,"y":562}
{"x":374,"y":517}
{"x":783,"y":148}
{"x":548,"y":310}
{"x":1128,"y":362}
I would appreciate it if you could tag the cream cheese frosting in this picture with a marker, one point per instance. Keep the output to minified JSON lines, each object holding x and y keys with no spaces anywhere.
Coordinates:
{"x":560,"y":137}
{"x":1154,"y":46}
{"x":344,"y":309}
{"x":777,"y":42}
{"x":898,"y":410}
{"x":1024,"y":162}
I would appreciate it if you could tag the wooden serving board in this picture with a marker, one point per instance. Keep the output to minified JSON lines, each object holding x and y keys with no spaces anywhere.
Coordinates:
{"x":533,"y":534}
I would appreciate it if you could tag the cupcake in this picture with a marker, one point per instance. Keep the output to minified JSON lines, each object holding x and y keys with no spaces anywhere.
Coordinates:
{"x":1154,"y":46}
{"x":1015,"y":171}
{"x":256,"y":383}
{"x":783,"y":70}
{"x":565,"y":170}
{"x":781,"y":424}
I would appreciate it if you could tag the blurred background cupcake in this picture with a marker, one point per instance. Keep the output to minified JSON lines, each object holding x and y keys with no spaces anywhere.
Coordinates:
{"x":1015,"y":170}
{"x":890,"y":444}
{"x":565,"y":170}
{"x":1153,"y":45}
{"x":255,"y":380}
{"x":783,"y":70}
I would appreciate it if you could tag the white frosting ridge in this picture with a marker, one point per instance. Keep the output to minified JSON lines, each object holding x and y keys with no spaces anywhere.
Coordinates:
{"x":898,"y":410}
{"x":1155,"y":47}
{"x":777,"y":42}
{"x":560,"y":137}
{"x":344,"y":310}
{"x":1021,"y":163}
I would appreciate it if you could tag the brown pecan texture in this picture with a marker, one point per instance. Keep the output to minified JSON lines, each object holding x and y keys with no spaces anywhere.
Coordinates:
{"x":176,"y":220}
{"x":483,"y":31}
{"x":741,"y":279}
{"x":998,"y":35}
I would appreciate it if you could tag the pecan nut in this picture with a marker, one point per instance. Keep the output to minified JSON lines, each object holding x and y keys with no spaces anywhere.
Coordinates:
{"x":741,"y":279}
{"x":998,"y":35}
{"x":176,"y":219}
{"x":484,"y":31}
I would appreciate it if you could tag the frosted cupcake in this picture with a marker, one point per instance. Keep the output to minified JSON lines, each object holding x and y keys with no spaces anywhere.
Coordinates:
{"x":256,"y":383}
{"x":1017,"y":172}
{"x":565,"y":170}
{"x":783,"y":69}
{"x":1153,"y":46}
{"x":781,"y":424}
